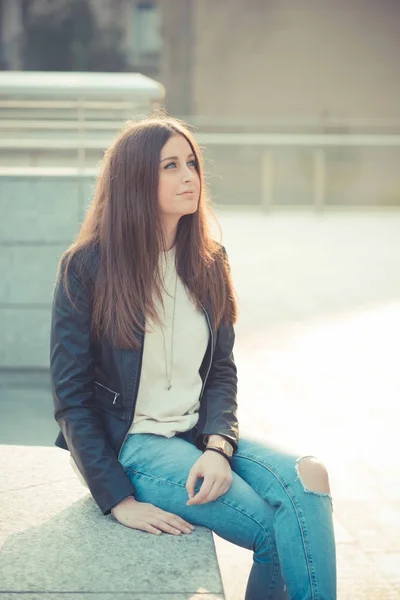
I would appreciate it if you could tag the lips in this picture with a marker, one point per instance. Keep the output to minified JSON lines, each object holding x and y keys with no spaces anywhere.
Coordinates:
{"x":186,"y":192}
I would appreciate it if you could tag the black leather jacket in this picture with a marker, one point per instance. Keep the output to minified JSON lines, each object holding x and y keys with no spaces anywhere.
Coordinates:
{"x":95,"y":388}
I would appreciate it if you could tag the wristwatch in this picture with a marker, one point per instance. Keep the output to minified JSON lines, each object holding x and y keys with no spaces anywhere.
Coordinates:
{"x":222,"y":446}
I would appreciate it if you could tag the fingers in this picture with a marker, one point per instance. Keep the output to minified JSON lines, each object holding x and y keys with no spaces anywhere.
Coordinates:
{"x":163,"y":521}
{"x":191,"y":482}
{"x":203,"y":498}
{"x":173,"y":527}
{"x":158,"y":526}
{"x":149,"y":528}
{"x":209,"y":491}
{"x":202,"y":493}
{"x":149,"y":518}
{"x":177,"y":523}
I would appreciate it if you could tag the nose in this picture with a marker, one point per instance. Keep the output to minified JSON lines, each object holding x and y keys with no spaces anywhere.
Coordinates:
{"x":187,"y":174}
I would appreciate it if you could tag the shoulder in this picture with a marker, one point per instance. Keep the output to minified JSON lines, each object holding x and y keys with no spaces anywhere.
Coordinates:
{"x":222,"y":253}
{"x":83,"y":262}
{"x":218,"y":249}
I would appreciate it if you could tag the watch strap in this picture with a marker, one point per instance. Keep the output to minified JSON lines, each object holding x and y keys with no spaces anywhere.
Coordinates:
{"x":206,"y":439}
{"x":228,"y":458}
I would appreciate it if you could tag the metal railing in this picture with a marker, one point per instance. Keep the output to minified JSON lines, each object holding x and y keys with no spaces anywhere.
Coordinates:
{"x":83,"y":140}
{"x":45,"y":123}
{"x":63,"y":115}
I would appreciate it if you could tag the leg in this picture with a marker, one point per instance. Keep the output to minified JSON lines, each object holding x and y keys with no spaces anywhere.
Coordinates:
{"x":159,"y":468}
{"x":299,"y":491}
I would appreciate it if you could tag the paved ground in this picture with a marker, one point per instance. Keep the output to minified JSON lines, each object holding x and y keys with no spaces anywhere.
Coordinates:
{"x":318,"y":343}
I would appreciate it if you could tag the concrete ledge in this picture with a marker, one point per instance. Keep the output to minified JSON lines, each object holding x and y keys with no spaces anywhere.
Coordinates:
{"x":55,"y":542}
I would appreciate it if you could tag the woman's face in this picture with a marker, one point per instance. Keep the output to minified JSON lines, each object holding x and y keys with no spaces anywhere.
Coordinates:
{"x":179,"y":182}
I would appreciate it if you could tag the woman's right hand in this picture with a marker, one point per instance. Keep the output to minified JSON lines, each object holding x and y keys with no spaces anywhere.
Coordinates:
{"x":147,"y":517}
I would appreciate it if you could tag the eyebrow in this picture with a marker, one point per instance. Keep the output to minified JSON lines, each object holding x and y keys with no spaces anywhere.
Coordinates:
{"x":175,"y":157}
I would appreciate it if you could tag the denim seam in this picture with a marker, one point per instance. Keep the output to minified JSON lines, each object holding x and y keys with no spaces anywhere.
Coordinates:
{"x":274,"y":553}
{"x":303,"y":528}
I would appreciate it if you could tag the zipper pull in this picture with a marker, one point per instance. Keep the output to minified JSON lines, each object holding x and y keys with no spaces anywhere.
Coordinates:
{"x":115,"y":398}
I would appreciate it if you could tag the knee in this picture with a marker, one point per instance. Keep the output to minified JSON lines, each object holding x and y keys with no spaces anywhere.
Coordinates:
{"x":313,"y":475}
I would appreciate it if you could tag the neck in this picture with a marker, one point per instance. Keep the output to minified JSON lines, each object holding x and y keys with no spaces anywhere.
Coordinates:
{"x":170,"y":234}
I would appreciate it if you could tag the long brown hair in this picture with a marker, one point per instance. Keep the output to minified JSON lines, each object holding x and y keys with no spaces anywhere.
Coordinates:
{"x":123,"y":222}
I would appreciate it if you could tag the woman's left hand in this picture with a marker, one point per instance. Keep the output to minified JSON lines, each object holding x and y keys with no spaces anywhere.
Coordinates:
{"x":217,"y":474}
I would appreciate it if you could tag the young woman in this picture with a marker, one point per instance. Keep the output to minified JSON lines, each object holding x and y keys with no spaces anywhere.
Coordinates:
{"x":144,"y":378}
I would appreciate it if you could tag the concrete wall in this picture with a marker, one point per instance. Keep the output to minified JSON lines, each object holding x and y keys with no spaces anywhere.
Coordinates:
{"x":289,"y":65}
{"x":285,"y":58}
{"x":40,"y":217}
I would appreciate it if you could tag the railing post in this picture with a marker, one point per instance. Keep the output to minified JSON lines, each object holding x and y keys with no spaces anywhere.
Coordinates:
{"x":81,"y":156}
{"x":267,"y":181}
{"x":319,"y":179}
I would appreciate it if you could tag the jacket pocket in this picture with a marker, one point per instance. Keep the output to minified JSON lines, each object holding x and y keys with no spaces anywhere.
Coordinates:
{"x":105,"y":395}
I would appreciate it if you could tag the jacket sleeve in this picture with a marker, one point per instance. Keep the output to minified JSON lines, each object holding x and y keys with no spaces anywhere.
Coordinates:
{"x":218,"y":409}
{"x":72,"y":377}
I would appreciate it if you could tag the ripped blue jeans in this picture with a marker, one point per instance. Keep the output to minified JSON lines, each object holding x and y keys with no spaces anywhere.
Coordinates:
{"x":268,"y":509}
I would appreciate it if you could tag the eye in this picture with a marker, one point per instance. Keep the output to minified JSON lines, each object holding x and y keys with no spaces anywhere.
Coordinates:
{"x":191,"y":163}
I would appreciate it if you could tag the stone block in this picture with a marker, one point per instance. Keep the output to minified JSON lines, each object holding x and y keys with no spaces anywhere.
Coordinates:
{"x":56,"y":542}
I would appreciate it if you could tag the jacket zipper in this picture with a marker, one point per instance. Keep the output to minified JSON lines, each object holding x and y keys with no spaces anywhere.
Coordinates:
{"x":135,"y":394}
{"x":112,"y":391}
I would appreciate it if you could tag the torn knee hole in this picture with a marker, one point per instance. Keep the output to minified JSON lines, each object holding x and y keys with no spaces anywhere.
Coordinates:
{"x":313,"y":475}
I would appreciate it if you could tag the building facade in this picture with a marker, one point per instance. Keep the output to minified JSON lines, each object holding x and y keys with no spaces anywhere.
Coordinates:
{"x":317,"y":61}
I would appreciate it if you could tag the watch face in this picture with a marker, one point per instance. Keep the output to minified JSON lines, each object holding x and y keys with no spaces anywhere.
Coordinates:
{"x":225,"y":446}
{"x":228,"y":449}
